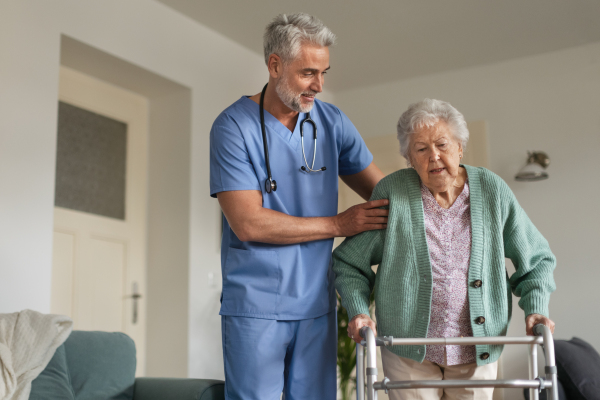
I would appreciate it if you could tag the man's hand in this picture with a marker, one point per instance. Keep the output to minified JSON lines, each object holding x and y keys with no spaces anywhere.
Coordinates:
{"x":534,"y":319}
{"x":362,"y":217}
{"x":357,"y":322}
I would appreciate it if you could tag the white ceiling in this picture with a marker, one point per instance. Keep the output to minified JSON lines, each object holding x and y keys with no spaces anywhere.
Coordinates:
{"x":387,"y":40}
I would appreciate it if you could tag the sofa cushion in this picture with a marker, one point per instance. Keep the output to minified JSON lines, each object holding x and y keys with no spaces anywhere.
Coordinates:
{"x":101,"y":365}
{"x":578,"y":365}
{"x":178,"y":388}
{"x":53,"y":383}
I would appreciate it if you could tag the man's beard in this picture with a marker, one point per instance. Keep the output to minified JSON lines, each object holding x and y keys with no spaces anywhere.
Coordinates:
{"x":292,"y":99}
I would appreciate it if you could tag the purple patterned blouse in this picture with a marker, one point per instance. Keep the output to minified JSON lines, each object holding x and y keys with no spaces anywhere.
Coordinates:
{"x":449,"y":243}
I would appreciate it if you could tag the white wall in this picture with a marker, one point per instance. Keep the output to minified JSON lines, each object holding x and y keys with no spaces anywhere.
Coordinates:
{"x":551,"y":103}
{"x":147,"y":34}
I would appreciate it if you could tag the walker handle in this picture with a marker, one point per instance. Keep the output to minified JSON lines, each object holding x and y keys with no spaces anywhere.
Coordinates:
{"x":538,"y":329}
{"x":363,"y":332}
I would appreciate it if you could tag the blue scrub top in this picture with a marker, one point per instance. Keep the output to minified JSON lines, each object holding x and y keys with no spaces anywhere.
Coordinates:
{"x":284,"y":282}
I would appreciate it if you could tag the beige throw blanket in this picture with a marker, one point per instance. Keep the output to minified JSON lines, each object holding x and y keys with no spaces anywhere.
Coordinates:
{"x":28,"y":341}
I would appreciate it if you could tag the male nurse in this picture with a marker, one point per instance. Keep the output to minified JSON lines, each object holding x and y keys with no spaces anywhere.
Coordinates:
{"x":278,"y":302}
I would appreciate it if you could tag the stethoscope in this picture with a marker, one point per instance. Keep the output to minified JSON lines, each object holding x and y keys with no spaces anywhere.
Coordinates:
{"x":270,"y":183}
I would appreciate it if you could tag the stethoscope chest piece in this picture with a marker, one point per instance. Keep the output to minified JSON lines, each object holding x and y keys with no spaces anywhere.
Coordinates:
{"x":270,"y":185}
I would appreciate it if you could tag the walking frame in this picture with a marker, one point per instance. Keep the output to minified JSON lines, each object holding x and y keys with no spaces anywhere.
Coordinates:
{"x":535,"y":383}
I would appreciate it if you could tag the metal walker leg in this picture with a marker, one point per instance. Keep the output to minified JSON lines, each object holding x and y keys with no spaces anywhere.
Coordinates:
{"x":360,"y":372}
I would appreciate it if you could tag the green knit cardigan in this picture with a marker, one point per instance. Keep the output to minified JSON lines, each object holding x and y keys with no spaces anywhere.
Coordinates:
{"x":403,"y":282}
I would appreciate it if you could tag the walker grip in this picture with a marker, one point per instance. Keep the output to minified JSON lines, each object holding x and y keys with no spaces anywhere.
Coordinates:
{"x":363,"y":332}
{"x":538,"y":330}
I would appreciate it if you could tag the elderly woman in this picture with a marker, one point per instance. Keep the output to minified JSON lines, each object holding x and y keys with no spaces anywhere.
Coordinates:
{"x":442,"y":259}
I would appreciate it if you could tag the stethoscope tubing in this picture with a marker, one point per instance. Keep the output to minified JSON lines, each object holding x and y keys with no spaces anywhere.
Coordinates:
{"x":310,"y":169}
{"x":270,"y":183}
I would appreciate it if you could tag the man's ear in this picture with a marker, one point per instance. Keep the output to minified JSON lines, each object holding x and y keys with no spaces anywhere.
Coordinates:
{"x":275,"y":66}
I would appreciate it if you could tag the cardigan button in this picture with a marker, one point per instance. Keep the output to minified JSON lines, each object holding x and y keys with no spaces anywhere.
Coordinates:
{"x":477,"y":283}
{"x":480,"y":320}
{"x":484,"y":356}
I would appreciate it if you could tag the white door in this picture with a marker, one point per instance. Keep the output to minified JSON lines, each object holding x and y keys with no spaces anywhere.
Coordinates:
{"x":99,"y":261}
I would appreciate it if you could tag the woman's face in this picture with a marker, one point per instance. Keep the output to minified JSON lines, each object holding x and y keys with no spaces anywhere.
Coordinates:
{"x":435,"y":154}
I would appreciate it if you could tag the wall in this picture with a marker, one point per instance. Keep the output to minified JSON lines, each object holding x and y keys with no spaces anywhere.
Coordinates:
{"x":168,"y":235}
{"x":551,"y":103}
{"x":144,"y":33}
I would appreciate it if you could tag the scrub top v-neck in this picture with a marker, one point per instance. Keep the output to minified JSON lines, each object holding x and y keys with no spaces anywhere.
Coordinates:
{"x":285,"y":282}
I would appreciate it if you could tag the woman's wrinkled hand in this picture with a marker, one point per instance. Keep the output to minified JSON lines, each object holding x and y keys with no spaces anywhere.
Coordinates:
{"x":357,"y":322}
{"x":534,"y":319}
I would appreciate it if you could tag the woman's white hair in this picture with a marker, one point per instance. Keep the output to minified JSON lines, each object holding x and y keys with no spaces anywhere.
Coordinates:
{"x":426,"y":114}
{"x":288,"y":32}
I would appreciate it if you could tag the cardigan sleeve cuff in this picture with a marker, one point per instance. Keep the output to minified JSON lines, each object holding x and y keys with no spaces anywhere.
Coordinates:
{"x":355,"y":306}
{"x":536,"y":305}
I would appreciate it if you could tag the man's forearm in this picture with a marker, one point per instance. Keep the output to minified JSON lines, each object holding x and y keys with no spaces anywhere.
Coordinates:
{"x":269,"y":226}
{"x":251,"y":222}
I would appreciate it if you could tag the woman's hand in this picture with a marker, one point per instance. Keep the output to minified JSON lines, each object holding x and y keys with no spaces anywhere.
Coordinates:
{"x":534,"y":319}
{"x":357,"y":322}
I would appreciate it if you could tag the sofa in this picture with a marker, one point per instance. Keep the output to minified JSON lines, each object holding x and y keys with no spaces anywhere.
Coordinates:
{"x":578,"y":367}
{"x":101,"y":366}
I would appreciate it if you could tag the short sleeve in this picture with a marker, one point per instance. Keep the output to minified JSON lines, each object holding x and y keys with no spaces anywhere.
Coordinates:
{"x":354,"y":154}
{"x":230,"y":165}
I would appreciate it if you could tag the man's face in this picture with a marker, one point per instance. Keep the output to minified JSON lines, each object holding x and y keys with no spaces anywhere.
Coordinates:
{"x":303,"y":78}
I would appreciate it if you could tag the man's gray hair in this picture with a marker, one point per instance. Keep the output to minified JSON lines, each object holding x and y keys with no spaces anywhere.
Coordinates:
{"x":288,"y":32}
{"x":425,"y":114}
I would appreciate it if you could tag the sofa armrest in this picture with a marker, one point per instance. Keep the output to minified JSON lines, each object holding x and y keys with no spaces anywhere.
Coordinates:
{"x":178,"y":389}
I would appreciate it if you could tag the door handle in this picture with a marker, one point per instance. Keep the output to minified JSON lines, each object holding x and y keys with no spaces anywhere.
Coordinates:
{"x":135,"y":296}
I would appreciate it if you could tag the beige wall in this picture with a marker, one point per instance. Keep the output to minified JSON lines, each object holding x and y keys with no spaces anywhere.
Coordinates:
{"x":551,"y":103}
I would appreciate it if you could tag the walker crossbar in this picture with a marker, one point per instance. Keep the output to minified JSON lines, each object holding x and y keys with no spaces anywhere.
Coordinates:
{"x":508,"y":383}
{"x":535,"y":383}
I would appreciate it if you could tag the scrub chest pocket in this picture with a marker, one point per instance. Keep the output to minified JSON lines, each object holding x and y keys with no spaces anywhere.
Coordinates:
{"x":251,"y":282}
